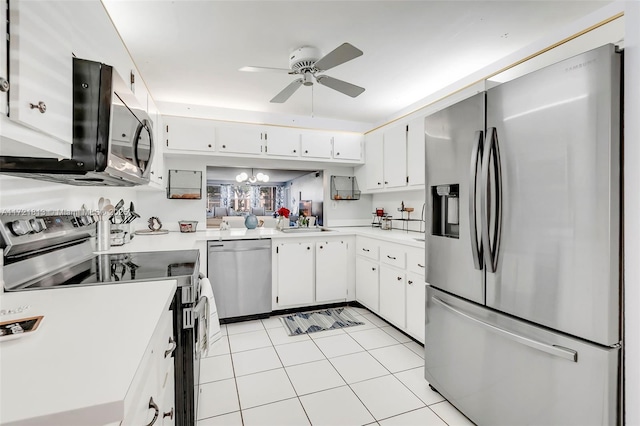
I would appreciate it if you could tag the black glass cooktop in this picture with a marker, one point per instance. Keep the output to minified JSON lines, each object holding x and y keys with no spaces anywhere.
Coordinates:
{"x":113,"y":268}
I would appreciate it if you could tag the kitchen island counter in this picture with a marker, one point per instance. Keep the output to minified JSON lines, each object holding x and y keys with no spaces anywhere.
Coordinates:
{"x":78,"y":366}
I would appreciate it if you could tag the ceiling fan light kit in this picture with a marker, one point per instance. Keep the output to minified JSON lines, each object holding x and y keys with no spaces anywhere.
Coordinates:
{"x":307,"y":63}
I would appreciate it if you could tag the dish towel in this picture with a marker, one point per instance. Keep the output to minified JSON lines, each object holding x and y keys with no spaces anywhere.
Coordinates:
{"x":211,"y":332}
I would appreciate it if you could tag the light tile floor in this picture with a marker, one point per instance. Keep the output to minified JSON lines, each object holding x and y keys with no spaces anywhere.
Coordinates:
{"x":365,"y":375}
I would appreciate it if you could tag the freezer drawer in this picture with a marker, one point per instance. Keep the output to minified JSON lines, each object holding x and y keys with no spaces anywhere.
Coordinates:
{"x":501,"y":371}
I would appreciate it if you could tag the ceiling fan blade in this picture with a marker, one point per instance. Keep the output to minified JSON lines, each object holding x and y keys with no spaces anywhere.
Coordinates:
{"x":341,"y":54}
{"x":264,"y":69}
{"x":287,"y":92}
{"x":339,"y":85}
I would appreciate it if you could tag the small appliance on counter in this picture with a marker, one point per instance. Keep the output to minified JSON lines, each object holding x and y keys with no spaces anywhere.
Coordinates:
{"x":188,"y":225}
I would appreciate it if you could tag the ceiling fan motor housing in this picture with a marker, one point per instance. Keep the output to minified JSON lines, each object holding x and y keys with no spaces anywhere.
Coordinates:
{"x":304,"y":57}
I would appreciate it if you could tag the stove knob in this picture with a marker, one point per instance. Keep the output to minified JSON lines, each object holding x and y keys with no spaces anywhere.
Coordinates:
{"x":20,"y":227}
{"x":36,"y":225}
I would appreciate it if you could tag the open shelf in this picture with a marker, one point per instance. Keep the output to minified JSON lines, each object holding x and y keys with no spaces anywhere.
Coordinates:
{"x":344,"y":188}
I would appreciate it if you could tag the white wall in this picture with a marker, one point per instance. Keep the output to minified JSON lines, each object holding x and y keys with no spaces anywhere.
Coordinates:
{"x":391,"y":202}
{"x":345,"y":212}
{"x":31,"y":194}
{"x":632,"y":213}
{"x":307,"y":187}
{"x":171,"y":211}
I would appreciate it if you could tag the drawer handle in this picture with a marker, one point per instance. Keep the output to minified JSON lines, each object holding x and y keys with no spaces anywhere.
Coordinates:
{"x":422,"y":266}
{"x":173,"y":344}
{"x":364,"y":249}
{"x":391,"y":257}
{"x":153,"y":405}
{"x":168,"y":414}
{"x":399,"y":278}
{"x":41,"y":106}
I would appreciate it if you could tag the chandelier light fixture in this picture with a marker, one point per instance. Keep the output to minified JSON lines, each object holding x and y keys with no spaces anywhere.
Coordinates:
{"x":244,"y":177}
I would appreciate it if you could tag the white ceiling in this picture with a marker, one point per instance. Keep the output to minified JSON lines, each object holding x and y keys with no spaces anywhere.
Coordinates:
{"x":189,"y":52}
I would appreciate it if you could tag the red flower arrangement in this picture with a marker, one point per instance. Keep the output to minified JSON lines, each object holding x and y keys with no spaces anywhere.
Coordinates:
{"x":283,"y":211}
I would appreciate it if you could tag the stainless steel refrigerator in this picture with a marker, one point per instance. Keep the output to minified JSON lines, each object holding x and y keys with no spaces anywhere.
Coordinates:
{"x":523,"y":313}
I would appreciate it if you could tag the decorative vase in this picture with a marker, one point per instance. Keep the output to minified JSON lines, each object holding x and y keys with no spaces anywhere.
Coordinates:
{"x":251,"y":221}
{"x":280,"y":223}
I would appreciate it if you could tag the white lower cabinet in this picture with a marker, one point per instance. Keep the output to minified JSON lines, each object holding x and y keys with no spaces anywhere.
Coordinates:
{"x":392,"y":284}
{"x":311,"y":271}
{"x":367,"y":283}
{"x":152,"y":393}
{"x":331,"y":267}
{"x":416,"y":287}
{"x":295,"y":266}
{"x":393,"y":295}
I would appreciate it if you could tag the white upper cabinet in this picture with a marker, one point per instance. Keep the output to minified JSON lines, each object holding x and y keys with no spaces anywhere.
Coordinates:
{"x":241,"y":139}
{"x":316,"y":144}
{"x":347,"y":146}
{"x":415,"y":152}
{"x":374,"y":160}
{"x":282,"y":141}
{"x":189,"y":134}
{"x":41,"y":68}
{"x":395,"y":156}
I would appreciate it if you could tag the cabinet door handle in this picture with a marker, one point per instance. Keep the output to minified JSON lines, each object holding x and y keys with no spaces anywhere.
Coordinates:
{"x":308,"y":248}
{"x":173,"y":344}
{"x":306,"y":151}
{"x":364,"y":249}
{"x":294,"y":151}
{"x":224,"y":146}
{"x":422,"y":266}
{"x":373,"y":269}
{"x":153,"y":405}
{"x":168,"y":414}
{"x":320,"y":247}
{"x":209,"y":145}
{"x":399,"y":278}
{"x":386,"y":183}
{"x":40,"y":106}
{"x":391,"y":257}
{"x":410,"y":282}
{"x":337,"y":153}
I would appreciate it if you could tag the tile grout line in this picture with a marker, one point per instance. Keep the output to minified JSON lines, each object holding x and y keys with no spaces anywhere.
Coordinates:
{"x":287,"y":374}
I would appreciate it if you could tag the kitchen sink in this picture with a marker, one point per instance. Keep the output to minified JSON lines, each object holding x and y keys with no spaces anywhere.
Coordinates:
{"x":302,"y":230}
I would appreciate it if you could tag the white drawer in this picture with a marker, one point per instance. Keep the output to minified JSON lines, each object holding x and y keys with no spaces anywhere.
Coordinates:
{"x":393,"y":255}
{"x":367,"y":247}
{"x":416,"y":261}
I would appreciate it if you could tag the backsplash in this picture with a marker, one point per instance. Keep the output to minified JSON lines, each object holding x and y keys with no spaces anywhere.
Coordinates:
{"x":393,"y":201}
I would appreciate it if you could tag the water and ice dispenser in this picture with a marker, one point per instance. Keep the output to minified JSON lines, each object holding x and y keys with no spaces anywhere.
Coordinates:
{"x":446,"y":210}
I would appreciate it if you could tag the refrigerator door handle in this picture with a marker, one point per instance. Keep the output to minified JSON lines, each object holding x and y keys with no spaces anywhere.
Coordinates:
{"x":476,"y":162}
{"x":492,"y":153}
{"x":559,"y":351}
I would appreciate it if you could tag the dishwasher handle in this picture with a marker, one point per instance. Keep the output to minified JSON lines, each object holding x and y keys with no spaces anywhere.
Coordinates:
{"x":235,"y":249}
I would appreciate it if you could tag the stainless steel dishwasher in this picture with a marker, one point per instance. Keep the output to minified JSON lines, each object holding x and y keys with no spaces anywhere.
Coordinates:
{"x":240,"y":274}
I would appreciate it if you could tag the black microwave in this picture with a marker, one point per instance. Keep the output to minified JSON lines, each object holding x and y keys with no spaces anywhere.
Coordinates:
{"x":112,"y":135}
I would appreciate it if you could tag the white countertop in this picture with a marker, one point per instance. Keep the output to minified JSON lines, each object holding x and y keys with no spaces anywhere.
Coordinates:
{"x":175,"y":240}
{"x":78,"y":365}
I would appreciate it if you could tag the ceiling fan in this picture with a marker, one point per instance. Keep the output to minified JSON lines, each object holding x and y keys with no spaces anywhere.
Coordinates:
{"x":307,"y":63}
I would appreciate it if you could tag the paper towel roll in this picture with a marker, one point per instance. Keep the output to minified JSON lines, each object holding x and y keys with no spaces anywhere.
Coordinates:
{"x":213,"y":332}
